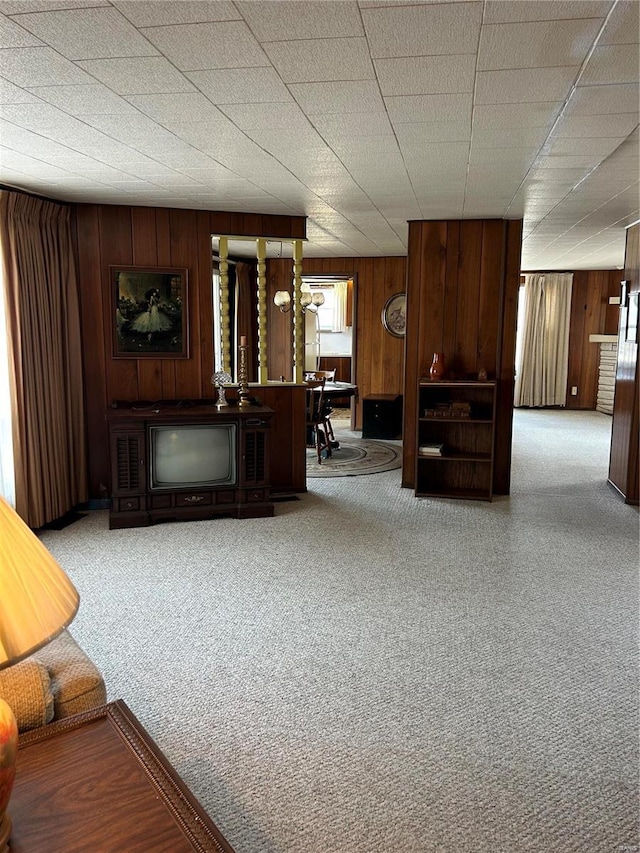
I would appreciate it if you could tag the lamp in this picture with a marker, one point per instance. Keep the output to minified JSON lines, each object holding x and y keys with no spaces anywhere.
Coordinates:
{"x":308,"y":301}
{"x":37,"y":601}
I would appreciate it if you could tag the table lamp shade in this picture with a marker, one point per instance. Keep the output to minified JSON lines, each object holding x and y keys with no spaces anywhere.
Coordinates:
{"x":37,"y":599}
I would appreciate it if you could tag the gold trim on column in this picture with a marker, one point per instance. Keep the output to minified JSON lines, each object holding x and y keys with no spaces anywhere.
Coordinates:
{"x":261,"y":253}
{"x":298,"y":343}
{"x":225,"y":338}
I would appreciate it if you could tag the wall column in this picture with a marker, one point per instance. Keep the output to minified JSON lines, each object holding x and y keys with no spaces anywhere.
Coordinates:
{"x":462,"y":291}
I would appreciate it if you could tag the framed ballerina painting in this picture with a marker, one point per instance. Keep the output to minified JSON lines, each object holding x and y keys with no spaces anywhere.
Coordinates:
{"x":150,"y":317}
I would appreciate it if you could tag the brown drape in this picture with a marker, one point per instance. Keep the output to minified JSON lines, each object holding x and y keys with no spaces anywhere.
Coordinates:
{"x":45,"y":357}
{"x":248,"y":314}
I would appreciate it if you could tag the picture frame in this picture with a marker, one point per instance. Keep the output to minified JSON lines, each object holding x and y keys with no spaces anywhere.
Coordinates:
{"x":394,"y":315}
{"x":150,"y":312}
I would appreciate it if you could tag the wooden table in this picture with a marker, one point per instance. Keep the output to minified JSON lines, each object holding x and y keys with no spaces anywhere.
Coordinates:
{"x":97,"y":783}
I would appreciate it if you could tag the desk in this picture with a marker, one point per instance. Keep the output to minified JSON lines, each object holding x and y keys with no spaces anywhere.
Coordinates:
{"x":98,"y":782}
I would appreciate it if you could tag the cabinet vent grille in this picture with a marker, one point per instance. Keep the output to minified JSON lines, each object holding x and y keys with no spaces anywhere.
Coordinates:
{"x":255,"y":456}
{"x":128,"y":466}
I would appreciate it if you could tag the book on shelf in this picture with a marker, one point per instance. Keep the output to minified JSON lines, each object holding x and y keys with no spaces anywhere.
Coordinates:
{"x":431,"y":449}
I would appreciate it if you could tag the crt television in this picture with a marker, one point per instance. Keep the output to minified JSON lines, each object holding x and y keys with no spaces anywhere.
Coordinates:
{"x":192,"y":456}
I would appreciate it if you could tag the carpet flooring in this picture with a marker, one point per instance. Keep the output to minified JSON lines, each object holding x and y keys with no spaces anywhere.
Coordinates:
{"x":367,"y":671}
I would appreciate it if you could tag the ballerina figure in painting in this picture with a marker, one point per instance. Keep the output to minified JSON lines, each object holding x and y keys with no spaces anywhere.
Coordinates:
{"x":152,"y":320}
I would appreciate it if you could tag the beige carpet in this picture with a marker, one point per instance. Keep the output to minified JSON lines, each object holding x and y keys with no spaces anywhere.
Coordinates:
{"x":367,"y":671}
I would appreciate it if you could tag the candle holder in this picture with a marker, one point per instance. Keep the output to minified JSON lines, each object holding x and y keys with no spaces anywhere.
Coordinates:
{"x":243,"y":387}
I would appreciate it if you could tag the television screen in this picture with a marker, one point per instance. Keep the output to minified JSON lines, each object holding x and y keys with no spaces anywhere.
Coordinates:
{"x":192,"y":455}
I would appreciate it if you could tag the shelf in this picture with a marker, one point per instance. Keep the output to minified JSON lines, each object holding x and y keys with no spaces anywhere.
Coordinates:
{"x":465,"y":469}
{"x":457,"y":494}
{"x":452,"y":456}
{"x":456,"y":420}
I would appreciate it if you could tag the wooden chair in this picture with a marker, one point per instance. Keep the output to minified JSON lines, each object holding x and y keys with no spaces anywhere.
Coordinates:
{"x":328,"y":376}
{"x":316,"y":425}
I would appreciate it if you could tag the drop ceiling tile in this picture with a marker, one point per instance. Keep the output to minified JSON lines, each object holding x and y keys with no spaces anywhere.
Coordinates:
{"x":601,"y":100}
{"x":615,"y":63}
{"x":14,"y":7}
{"x":509,"y":137}
{"x":568,"y":161}
{"x":361,"y":96}
{"x":623,"y":26}
{"x":87,"y":33}
{"x":283,"y":21}
{"x":619,"y":124}
{"x":182,"y":107}
{"x":536,"y":45}
{"x":418,"y":133}
{"x":271,"y":116}
{"x":11,"y":94}
{"x":197,"y":47}
{"x":508,"y":116}
{"x":508,"y":11}
{"x":424,"y":75}
{"x":240,"y":85}
{"x":421,"y":108}
{"x":524,"y":85}
{"x":364,"y":124}
{"x":13,"y":35}
{"x":143,"y":13}
{"x":423,"y":30}
{"x":39,"y":66}
{"x":590,"y":145}
{"x":83,"y":100}
{"x":136,"y":76}
{"x":321,"y":60}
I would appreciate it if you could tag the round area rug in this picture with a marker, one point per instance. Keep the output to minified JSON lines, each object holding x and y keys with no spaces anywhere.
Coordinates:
{"x":355,"y":457}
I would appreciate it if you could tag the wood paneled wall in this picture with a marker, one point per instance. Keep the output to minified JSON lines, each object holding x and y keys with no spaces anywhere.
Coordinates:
{"x":148,"y":236}
{"x":623,"y":462}
{"x":462,"y":292}
{"x":591,"y":314}
{"x":378,"y":356}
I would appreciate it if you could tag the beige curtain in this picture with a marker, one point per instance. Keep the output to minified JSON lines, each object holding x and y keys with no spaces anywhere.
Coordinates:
{"x":541,"y":374}
{"x":45,"y":357}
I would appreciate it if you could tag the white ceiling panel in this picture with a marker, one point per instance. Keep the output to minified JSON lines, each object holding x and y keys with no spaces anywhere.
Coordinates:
{"x":620,"y":124}
{"x":133,"y":76}
{"x":420,"y":108}
{"x":423,"y":30}
{"x":13,"y":35}
{"x":361,"y":96}
{"x":87,"y":33}
{"x":360,"y":116}
{"x":321,"y":60}
{"x":623,"y":27}
{"x":536,"y":45}
{"x":158,"y":13}
{"x":424,"y":75}
{"x":611,"y":63}
{"x":39,"y":66}
{"x":601,"y":100}
{"x":241,"y":85}
{"x":524,"y":85}
{"x":196,"y":47}
{"x":509,"y":11}
{"x":83,"y":100}
{"x":287,"y":19}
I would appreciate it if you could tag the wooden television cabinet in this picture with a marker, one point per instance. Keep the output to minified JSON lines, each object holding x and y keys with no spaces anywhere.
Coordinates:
{"x":136,"y":502}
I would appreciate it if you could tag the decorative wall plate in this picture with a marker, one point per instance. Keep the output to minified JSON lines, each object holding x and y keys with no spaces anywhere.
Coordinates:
{"x":394,"y":315}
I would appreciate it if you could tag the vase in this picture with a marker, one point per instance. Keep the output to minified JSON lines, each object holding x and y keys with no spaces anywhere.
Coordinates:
{"x":436,"y":371}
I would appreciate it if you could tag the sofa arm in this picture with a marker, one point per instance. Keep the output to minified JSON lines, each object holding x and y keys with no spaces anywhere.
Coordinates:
{"x":76,"y":682}
{"x":26,"y":688}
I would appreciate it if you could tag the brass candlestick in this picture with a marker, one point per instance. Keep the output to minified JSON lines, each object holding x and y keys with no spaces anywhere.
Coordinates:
{"x":243,"y":388}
